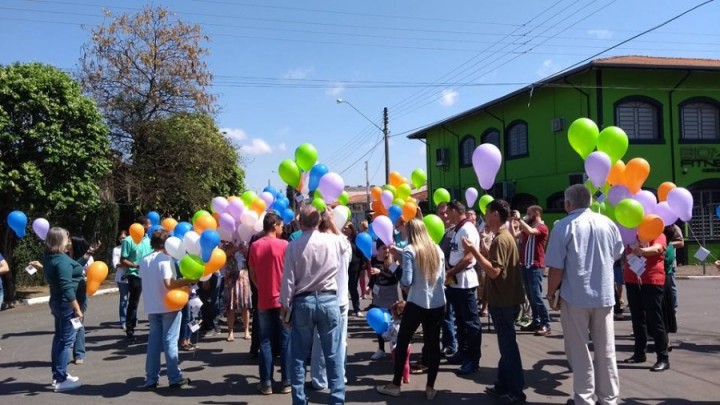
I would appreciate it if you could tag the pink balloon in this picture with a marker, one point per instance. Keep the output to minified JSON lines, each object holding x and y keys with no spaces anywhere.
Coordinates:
{"x":386,"y":198}
{"x":629,"y":236}
{"x":236,"y":208}
{"x":597,"y":167}
{"x":227,"y":222}
{"x":471,"y":195}
{"x":330,"y":187}
{"x":618,"y":193}
{"x":268,"y":198}
{"x":647,"y":200}
{"x":41,"y":226}
{"x":681,"y":203}
{"x":383,"y":228}
{"x":486,"y":160}
{"x":219,"y":204}
{"x":663,"y":211}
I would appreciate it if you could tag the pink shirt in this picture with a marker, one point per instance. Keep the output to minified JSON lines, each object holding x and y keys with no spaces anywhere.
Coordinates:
{"x":266,"y":261}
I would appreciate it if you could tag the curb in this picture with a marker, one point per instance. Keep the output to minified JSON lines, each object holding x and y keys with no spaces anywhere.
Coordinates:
{"x":697,"y":277}
{"x":46,"y":299}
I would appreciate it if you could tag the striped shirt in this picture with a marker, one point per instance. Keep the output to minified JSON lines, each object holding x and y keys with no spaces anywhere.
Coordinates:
{"x":532,"y":248}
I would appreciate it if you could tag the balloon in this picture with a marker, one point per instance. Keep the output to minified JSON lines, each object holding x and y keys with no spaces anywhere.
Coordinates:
{"x":663,"y":211}
{"x":647,"y":200}
{"x":614,"y":142}
{"x":331,"y":186}
{"x":344,"y":198}
{"x":198,"y":214}
{"x":618,"y":193}
{"x":271,"y":190}
{"x":471,"y":195}
{"x":17,"y":220}
{"x":176,"y":299}
{"x":280,"y":205}
{"x":303,"y":186}
{"x":204,"y":223}
{"x":289,"y":173}
{"x":377,"y":320}
{"x":227,"y":222}
{"x":377,"y":206}
{"x":153,"y":229}
{"x":364,"y":242}
{"x":664,"y":189}
{"x":681,"y":203}
{"x":205,"y":278}
{"x":390,"y":188}
{"x":404,"y":191}
{"x":386,"y":198}
{"x":375,"y":193}
{"x":441,"y":196}
{"x":409,"y":211}
{"x":259,"y":224}
{"x":636,"y":172}
{"x":250,"y":218}
{"x":288,"y":215}
{"x":486,"y":160}
{"x":174,"y":247}
{"x":41,"y":226}
{"x":418,"y":178}
{"x":154,"y":218}
{"x":169,"y":224}
{"x":597,"y":167}
{"x":394,"y":213}
{"x":219,"y":204}
{"x":306,"y":155}
{"x":191,"y":243}
{"x":396,"y":179}
{"x":484,"y":201}
{"x":137,"y":232}
{"x":258,"y":206}
{"x":316,"y":173}
{"x":650,"y":228}
{"x":435,"y":227}
{"x":608,"y":210}
{"x":245,"y":232}
{"x":181,"y":229}
{"x":236,"y":208}
{"x":215,"y":262}
{"x":319,"y":204}
{"x":248,"y":197}
{"x":617,"y":173}
{"x":340,"y":216}
{"x":226,"y":235}
{"x":629,"y":213}
{"x":383,"y":228}
{"x":209,"y":240}
{"x":191,"y":267}
{"x":399,"y":202}
{"x":583,"y":136}
{"x":629,"y":236}
{"x":96,"y":274}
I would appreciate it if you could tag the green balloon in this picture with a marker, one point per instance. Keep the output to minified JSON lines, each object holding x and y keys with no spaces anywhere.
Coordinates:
{"x":418,"y":178}
{"x":319,"y":204}
{"x":306,"y":155}
{"x":595,"y":207}
{"x":191,"y":267}
{"x":248,"y":197}
{"x":484,"y":201}
{"x":289,"y":173}
{"x":399,"y":202}
{"x":608,"y":210}
{"x":441,"y":196}
{"x":391,"y":189}
{"x":583,"y":136}
{"x":591,"y":187}
{"x":344,"y":198}
{"x":404,"y":191}
{"x":198,"y":214}
{"x":629,"y":213}
{"x":614,"y":142}
{"x":435,"y":227}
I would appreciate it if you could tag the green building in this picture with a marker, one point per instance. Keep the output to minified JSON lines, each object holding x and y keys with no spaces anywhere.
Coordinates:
{"x":669,"y":108}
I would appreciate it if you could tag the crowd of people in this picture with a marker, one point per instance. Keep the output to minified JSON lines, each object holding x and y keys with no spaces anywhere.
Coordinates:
{"x":295,"y":285}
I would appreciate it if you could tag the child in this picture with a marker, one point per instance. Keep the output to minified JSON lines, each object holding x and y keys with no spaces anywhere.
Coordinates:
{"x":385,"y":288}
{"x":391,"y":335}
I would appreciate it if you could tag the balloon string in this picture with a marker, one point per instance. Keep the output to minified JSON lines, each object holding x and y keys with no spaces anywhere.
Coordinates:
{"x":698,"y":242}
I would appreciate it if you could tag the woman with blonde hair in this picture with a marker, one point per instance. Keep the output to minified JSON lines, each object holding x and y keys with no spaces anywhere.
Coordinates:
{"x":423,"y":271}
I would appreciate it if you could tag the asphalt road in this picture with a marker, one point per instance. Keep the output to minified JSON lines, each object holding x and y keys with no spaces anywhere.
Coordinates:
{"x":224,"y":373}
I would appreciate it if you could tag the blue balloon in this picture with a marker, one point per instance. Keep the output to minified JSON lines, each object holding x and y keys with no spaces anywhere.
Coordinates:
{"x":279,"y":205}
{"x":154,"y":218}
{"x":364,"y":242}
{"x":287,"y":215}
{"x":209,"y":240}
{"x":271,"y":190}
{"x":394,"y":213}
{"x":181,"y":229}
{"x":17,"y":220}
{"x":372,"y":233}
{"x":378,"y":320}
{"x":153,"y":229}
{"x":316,"y":174}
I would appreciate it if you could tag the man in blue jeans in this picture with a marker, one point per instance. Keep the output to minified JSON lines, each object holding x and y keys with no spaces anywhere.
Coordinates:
{"x":532,"y":256}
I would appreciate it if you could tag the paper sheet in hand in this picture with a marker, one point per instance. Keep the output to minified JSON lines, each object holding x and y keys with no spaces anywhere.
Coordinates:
{"x":194,"y":326}
{"x":702,"y":254}
{"x":637,"y":264}
{"x":76,"y":323}
{"x":30,"y":270}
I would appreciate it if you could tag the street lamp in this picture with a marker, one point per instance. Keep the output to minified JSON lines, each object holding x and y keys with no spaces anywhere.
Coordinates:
{"x":384,"y":130}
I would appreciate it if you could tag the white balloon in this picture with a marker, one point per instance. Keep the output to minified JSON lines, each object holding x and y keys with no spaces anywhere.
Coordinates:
{"x":245,"y":232}
{"x":174,"y":247}
{"x":250,"y":218}
{"x":259,"y":223}
{"x":191,"y":243}
{"x":340,"y":216}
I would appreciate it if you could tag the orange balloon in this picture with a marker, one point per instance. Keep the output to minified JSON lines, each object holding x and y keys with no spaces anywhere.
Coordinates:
{"x":377,"y":206}
{"x":216,"y":215}
{"x":232,"y":198}
{"x":137,"y":232}
{"x":664,"y":189}
{"x":258,"y":206}
{"x":650,"y":228}
{"x":169,"y":224}
{"x":204,"y":223}
{"x":176,"y":298}
{"x":636,"y":172}
{"x":217,"y":260}
{"x":96,"y":274}
{"x":617,"y":173}
{"x":376,"y":192}
{"x":411,"y":200}
{"x":409,"y":211}
{"x":396,"y":179}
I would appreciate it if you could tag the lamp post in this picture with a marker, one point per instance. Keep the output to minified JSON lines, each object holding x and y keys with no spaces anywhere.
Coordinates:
{"x":384,"y":130}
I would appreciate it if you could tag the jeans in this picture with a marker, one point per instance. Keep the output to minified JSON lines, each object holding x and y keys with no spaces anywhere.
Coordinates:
{"x":646,"y":302}
{"x":63,"y":339}
{"x":122,"y":307}
{"x":318,"y":374}
{"x":163,"y":337}
{"x":533,"y":280}
{"x":353,"y":279}
{"x":185,"y":332}
{"x":2,"y":295}
{"x":431,"y":321}
{"x":271,"y":328}
{"x":673,"y":286}
{"x":134,"y":291}
{"x":510,"y":373}
{"x":465,"y":305}
{"x":79,"y":346}
{"x":309,"y":312}
{"x":449,"y":340}
{"x":255,"y":323}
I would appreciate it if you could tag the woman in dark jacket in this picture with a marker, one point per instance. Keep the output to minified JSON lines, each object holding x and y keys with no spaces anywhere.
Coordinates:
{"x":357,"y":265}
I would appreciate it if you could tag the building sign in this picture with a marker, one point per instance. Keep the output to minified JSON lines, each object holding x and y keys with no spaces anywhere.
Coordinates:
{"x":706,"y":158}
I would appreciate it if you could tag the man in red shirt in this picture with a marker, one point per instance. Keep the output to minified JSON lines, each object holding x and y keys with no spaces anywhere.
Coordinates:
{"x":532,"y":259}
{"x":266,"y":266}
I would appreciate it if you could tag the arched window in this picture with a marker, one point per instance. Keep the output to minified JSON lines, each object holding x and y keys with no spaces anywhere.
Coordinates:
{"x":491,"y":136}
{"x":517,"y":140}
{"x":522,"y":201}
{"x":700,"y":121}
{"x":640,"y":118}
{"x":556,"y":201}
{"x":467,"y":147}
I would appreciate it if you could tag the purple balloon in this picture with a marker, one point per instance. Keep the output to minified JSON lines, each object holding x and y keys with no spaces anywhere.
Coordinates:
{"x":471,"y":195}
{"x":597,"y":167}
{"x":383,"y":227}
{"x":618,"y":193}
{"x":219,"y":204}
{"x":681,"y":203}
{"x":268,"y":198}
{"x":386,"y":198}
{"x":647,"y":200}
{"x":330,"y":187}
{"x":486,"y":160}
{"x":227,"y":223}
{"x":663,"y":211}
{"x":236,"y":208}
{"x":629,"y":236}
{"x":41,"y":227}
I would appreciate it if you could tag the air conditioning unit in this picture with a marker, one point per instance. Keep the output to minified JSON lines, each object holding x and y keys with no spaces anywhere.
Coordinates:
{"x":557,"y":124}
{"x":577,"y":178}
{"x":504,"y":190}
{"x":442,"y":157}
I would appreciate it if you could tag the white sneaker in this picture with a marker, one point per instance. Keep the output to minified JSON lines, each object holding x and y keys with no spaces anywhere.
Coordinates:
{"x":377,"y":355}
{"x":67,"y":385}
{"x":69,"y":377}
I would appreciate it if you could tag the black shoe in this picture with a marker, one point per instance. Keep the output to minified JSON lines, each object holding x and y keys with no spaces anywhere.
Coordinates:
{"x":131,"y":338}
{"x":456,"y":359}
{"x":511,"y":398}
{"x":491,"y":390}
{"x":180,"y":384}
{"x":467,"y":368}
{"x":661,"y":365}
{"x":635,"y":360}
{"x":530,"y":328}
{"x":448,"y":352}
{"x":151,"y":387}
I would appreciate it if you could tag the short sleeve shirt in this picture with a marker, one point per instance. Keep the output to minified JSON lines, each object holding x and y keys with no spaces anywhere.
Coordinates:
{"x":135,"y":252}
{"x":155,"y":268}
{"x":466,"y":278}
{"x":507,"y":288}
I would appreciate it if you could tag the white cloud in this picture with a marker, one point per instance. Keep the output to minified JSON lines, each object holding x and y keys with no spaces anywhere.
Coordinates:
{"x":251,"y":146}
{"x":235,"y":134}
{"x":282,"y":147}
{"x":547,"y":68}
{"x":449,"y":97}
{"x":297,"y":73}
{"x":336,"y":89}
{"x":601,"y":34}
{"x":422,"y":150}
{"x":256,"y":146}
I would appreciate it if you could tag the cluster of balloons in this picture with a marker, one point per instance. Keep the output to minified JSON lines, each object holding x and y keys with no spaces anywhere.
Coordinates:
{"x":617,"y":186}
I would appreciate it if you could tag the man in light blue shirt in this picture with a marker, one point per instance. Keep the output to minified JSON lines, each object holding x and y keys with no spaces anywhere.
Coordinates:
{"x":582,"y":249}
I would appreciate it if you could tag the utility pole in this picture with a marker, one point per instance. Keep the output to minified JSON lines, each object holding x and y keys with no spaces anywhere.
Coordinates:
{"x":386,"y":132}
{"x":367,"y":186}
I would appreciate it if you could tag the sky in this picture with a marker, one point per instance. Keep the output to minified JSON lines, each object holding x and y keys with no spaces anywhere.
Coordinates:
{"x":280,"y":65}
